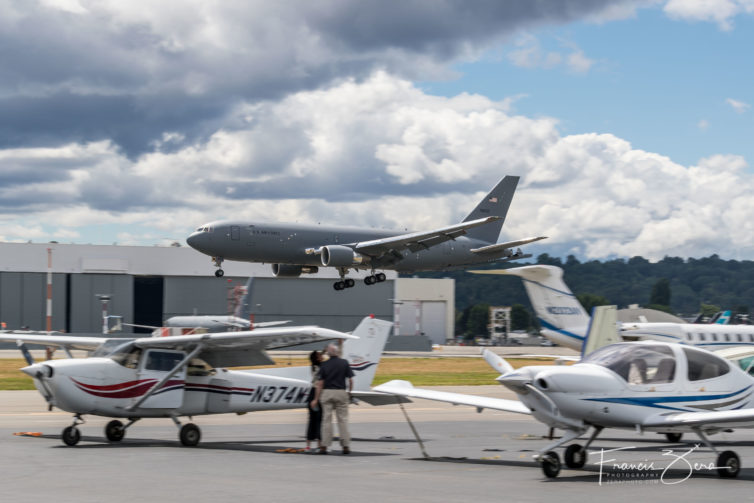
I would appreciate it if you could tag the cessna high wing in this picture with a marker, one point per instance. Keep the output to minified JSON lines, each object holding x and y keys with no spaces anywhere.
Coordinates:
{"x":565,"y":322}
{"x":295,"y":249}
{"x":642,"y":386}
{"x":185,"y":375}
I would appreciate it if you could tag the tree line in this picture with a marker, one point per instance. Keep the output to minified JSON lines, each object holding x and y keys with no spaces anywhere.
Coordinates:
{"x":679,"y":286}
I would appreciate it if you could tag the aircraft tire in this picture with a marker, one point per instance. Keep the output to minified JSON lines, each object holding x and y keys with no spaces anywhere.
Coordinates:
{"x":674,"y":438}
{"x":114,"y":431}
{"x":728,"y":465}
{"x":550,"y":464}
{"x":71,"y":436}
{"x":350,"y":283}
{"x":339,"y":285}
{"x":369,"y":280}
{"x":190,"y":435}
{"x":381,"y":277}
{"x":219,"y":273}
{"x":575,"y":456}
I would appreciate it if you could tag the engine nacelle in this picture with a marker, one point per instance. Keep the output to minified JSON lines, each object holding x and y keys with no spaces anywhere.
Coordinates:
{"x":292,"y":271}
{"x":341,"y":256}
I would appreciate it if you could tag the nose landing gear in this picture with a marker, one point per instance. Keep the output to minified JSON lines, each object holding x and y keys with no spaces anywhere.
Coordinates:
{"x":71,"y":434}
{"x":218,"y":261}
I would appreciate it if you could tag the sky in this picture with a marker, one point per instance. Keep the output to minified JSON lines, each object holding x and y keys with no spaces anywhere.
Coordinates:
{"x":629,"y":122}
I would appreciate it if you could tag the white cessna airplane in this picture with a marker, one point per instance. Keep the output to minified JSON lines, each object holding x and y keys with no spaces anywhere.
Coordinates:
{"x":565,"y":322}
{"x":184,"y":375}
{"x":640,"y":386}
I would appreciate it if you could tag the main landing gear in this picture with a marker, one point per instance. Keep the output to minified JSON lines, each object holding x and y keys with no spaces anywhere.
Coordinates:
{"x":218,"y":261}
{"x":349,"y":283}
{"x":189,"y":433}
{"x":575,"y":455}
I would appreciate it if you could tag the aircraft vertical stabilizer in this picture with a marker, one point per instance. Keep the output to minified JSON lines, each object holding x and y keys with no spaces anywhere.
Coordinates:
{"x":365,"y":352}
{"x":494,"y":204}
{"x":603,"y":329}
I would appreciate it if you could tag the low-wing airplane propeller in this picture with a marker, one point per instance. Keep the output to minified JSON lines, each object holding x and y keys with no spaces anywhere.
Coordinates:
{"x":646,"y":386}
{"x":185,"y":375}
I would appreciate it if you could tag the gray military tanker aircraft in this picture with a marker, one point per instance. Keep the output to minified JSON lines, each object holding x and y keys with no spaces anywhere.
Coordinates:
{"x":295,"y":249}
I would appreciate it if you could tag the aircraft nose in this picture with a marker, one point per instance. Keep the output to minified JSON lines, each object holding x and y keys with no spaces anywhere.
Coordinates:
{"x":38,"y":370}
{"x":195,"y":240}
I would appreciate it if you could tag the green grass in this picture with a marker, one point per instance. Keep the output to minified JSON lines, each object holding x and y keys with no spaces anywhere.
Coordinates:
{"x":446,"y":371}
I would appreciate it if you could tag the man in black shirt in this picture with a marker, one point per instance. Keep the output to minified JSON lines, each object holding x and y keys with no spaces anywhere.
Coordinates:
{"x":333,"y":392}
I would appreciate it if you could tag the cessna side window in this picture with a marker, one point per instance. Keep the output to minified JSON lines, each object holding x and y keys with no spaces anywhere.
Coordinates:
{"x":127,"y":355}
{"x":161,"y":361}
{"x":704,"y":365}
{"x":637,"y":364}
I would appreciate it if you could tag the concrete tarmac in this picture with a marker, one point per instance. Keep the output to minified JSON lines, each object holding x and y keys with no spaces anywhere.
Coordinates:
{"x":474,"y":457}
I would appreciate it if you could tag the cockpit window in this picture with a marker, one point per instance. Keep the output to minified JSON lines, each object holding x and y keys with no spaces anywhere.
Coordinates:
{"x":704,"y":365}
{"x":637,"y":363}
{"x":126,"y":354}
{"x":112,"y":346}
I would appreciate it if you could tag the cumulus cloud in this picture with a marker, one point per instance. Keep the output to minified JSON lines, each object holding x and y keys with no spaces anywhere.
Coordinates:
{"x":382,"y":153}
{"x":83,"y":71}
{"x":720,"y":12}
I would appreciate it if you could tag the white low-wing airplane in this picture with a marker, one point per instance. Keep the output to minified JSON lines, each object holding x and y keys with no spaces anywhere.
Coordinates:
{"x":644,"y":386}
{"x":184,"y":375}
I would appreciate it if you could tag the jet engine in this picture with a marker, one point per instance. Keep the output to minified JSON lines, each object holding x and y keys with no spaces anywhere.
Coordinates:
{"x":292,"y":271}
{"x":341,"y":256}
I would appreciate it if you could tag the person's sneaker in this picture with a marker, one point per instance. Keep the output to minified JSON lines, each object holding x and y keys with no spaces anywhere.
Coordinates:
{"x":346,"y":450}
{"x":307,"y":450}
{"x":322,"y":450}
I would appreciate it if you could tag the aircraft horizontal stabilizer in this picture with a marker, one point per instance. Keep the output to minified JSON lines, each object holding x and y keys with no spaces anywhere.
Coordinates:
{"x":505,"y":246}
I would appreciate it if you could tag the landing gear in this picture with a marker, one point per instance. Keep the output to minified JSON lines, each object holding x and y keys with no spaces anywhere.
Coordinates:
{"x":114,"y":431}
{"x":550,"y":464}
{"x":71,"y":435}
{"x":190,"y":435}
{"x":342,"y":285}
{"x":375,"y":278}
{"x":218,"y":261}
{"x":728,"y":462}
{"x":575,"y":456}
{"x":674,"y":438}
{"x":728,"y":465}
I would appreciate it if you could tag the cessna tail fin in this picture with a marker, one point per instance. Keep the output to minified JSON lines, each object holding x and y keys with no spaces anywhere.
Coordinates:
{"x":496,"y":203}
{"x":365,"y":352}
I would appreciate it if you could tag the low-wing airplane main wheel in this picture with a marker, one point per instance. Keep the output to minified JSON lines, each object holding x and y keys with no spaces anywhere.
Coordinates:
{"x":674,"y":437}
{"x":219,"y":273}
{"x":190,"y":435}
{"x":550,"y":464}
{"x":575,"y":456}
{"x":381,"y":277}
{"x":71,"y":435}
{"x":728,"y":464}
{"x":114,"y":431}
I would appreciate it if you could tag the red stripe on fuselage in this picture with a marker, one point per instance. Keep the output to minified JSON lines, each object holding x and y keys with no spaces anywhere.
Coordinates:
{"x":134,"y":391}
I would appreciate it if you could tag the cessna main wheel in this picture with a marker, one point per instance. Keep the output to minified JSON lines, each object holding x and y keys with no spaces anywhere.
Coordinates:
{"x":114,"y":431}
{"x":71,"y":436}
{"x":190,"y":435}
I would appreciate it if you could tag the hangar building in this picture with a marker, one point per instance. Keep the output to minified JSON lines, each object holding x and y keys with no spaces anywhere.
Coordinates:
{"x":148,"y":284}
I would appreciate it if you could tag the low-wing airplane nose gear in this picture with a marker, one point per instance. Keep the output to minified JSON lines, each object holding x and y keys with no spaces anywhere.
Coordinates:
{"x":218,"y":261}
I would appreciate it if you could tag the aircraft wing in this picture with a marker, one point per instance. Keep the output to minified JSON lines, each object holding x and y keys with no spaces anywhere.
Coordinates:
{"x":55,"y":339}
{"x":500,"y":247}
{"x":406,"y":389}
{"x":741,"y":418}
{"x":417,"y":241}
{"x":235,"y":349}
